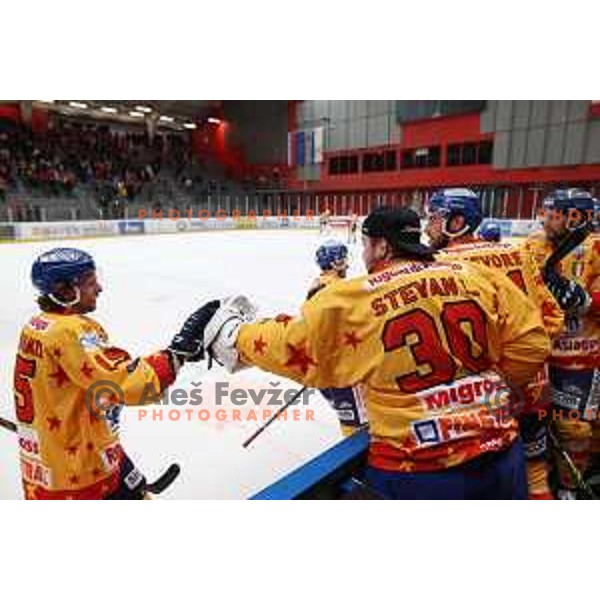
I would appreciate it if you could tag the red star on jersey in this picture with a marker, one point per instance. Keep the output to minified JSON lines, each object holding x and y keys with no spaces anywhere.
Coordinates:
{"x":285,"y":319}
{"x":30,"y":491}
{"x":53,"y":423}
{"x":259,"y":346}
{"x":351,"y":339}
{"x":74,"y":480}
{"x":60,"y":377}
{"x":299,"y":358}
{"x":71,"y":450}
{"x":57,"y":353}
{"x":87,"y":371}
{"x":89,"y":447}
{"x":409,"y":443}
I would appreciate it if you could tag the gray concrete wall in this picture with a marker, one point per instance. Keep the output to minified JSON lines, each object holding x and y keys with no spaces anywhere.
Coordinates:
{"x":542,"y":133}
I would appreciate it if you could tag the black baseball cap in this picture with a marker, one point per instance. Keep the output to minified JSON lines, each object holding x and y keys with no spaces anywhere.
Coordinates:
{"x":400,"y":227}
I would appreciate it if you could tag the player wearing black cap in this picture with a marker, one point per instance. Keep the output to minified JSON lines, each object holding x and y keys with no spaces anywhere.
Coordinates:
{"x":433,"y":346}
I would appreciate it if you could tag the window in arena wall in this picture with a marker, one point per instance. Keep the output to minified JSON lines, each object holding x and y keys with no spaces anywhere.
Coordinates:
{"x":348,"y":165}
{"x":334,"y":165}
{"x":484,"y":152}
{"x":343,"y":165}
{"x":373,"y":162}
{"x":407,"y":159}
{"x":434,"y":156}
{"x":377,"y":162}
{"x":421,"y":158}
{"x":390,"y":160}
{"x":469,"y":153}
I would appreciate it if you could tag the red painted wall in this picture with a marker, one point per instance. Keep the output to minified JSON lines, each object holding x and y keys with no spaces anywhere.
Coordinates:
{"x":11,"y":112}
{"x":448,"y":130}
{"x":210,"y":141}
{"x":39,"y":120}
{"x":440,"y":131}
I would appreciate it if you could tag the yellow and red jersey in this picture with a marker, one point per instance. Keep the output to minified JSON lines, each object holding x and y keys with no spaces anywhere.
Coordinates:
{"x":324,"y":279}
{"x":578,"y":345}
{"x":429,"y":342}
{"x":68,"y":446}
{"x":520,"y":267}
{"x":348,"y":402}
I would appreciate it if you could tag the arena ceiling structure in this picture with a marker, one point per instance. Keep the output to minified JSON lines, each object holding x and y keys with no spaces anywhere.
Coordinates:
{"x":171,"y":114}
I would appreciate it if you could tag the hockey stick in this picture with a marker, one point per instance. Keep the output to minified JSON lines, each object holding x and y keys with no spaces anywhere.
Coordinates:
{"x":165,"y":480}
{"x":8,"y":425}
{"x":271,"y":419}
{"x":580,"y":483}
{"x":576,"y":237}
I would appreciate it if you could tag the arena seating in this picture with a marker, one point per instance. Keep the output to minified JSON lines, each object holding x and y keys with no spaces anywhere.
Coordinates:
{"x":76,"y":170}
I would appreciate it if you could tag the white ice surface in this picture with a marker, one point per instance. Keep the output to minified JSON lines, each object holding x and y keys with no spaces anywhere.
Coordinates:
{"x":151,"y":283}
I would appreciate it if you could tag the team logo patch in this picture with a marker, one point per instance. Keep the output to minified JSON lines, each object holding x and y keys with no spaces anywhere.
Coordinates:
{"x":90,"y":341}
{"x":40,"y":324}
{"x":427,"y":432}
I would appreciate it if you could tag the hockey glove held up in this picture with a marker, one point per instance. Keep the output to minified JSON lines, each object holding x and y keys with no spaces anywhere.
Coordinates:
{"x":188,"y":344}
{"x":569,"y":294}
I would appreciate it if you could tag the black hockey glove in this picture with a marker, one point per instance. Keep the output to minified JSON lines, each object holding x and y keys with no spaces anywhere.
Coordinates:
{"x":188,"y":344}
{"x":569,"y":294}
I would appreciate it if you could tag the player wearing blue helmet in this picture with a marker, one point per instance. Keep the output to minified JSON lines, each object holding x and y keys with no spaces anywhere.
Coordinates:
{"x":66,"y":278}
{"x":454,"y":216}
{"x":452,"y":213}
{"x":332,"y":258}
{"x":70,"y":384}
{"x":490,"y":232}
{"x":574,"y":366}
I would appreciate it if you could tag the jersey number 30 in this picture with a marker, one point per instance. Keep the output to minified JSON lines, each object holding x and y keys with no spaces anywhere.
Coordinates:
{"x":466,"y":342}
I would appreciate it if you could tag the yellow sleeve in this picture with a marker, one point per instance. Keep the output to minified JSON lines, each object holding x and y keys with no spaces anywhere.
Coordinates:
{"x":312,"y":348}
{"x":278,"y":346}
{"x":523,"y":342}
{"x":552,"y":315}
{"x":88,"y":366}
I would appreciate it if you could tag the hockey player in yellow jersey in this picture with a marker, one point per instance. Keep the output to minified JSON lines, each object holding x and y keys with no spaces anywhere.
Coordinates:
{"x":70,"y":384}
{"x":435,"y":345}
{"x":454,"y":218}
{"x":348,"y":402}
{"x":332,"y":258}
{"x":574,"y":365}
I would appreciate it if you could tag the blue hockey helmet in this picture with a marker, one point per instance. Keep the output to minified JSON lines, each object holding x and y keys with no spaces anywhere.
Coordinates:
{"x":457,"y":201}
{"x":60,"y":265}
{"x":490,"y":231}
{"x":329,"y":253}
{"x":575,"y":204}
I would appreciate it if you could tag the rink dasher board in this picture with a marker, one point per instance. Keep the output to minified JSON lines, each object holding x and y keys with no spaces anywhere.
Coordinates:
{"x":40,"y":231}
{"x":321,"y":476}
